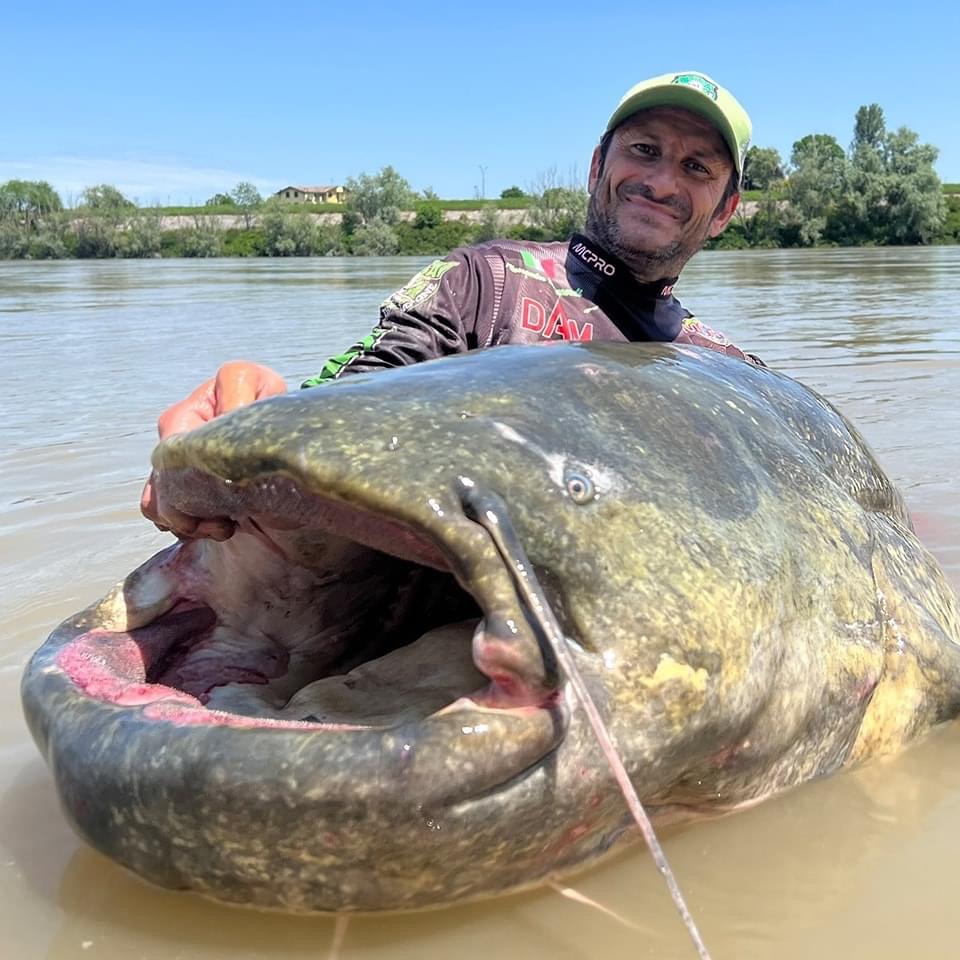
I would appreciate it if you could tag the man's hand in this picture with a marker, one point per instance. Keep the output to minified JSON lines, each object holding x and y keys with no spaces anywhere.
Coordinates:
{"x":236,"y":384}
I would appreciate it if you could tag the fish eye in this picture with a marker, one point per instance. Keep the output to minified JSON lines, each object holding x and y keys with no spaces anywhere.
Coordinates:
{"x":580,"y":487}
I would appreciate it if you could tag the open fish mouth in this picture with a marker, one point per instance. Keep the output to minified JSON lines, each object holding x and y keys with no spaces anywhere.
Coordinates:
{"x":323,"y":617}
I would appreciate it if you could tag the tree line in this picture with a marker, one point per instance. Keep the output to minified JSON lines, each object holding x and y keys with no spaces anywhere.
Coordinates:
{"x":882,"y":190}
{"x":34,"y":223}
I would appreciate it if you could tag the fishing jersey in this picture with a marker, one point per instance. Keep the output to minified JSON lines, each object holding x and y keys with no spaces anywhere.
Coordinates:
{"x":509,"y":291}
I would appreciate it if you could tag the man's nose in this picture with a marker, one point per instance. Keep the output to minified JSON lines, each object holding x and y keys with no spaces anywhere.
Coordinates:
{"x":662,"y":180}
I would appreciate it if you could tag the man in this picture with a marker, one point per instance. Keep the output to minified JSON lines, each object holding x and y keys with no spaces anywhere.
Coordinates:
{"x":664,"y":177}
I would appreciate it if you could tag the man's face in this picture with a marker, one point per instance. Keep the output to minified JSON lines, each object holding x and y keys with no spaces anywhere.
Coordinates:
{"x":658,"y":196}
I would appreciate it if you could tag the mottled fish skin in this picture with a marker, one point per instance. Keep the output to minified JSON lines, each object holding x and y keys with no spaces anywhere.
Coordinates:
{"x":745,"y":597}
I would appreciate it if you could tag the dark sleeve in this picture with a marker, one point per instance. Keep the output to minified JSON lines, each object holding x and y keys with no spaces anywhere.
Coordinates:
{"x":434,"y":315}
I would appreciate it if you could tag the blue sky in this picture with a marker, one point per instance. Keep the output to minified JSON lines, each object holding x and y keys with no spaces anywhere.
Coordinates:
{"x":174,"y":102}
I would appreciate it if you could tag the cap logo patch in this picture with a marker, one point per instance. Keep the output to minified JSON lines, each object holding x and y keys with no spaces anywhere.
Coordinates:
{"x":694,"y":80}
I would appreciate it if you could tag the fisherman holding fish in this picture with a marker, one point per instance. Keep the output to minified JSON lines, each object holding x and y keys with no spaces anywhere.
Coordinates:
{"x":368,"y":702}
{"x":664,"y":178}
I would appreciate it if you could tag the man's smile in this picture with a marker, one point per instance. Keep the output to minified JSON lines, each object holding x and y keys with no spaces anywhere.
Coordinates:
{"x":653,"y":208}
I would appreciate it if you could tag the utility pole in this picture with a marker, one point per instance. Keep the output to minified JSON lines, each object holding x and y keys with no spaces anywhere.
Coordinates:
{"x":483,"y":182}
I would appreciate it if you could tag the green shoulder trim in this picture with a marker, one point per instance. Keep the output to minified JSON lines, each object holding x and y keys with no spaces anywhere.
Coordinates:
{"x":332,"y":368}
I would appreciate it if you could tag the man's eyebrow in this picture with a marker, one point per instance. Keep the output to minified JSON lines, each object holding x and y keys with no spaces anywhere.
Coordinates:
{"x":628,"y":133}
{"x":709,"y":153}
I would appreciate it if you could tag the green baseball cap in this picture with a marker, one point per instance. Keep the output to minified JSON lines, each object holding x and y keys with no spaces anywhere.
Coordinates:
{"x":695,"y":92}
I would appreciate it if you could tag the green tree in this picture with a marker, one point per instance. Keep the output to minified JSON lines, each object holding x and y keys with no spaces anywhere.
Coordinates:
{"x":429,"y":214}
{"x":107,"y":199}
{"x":559,"y":208}
{"x":762,"y":167}
{"x":375,"y":238}
{"x":94,"y":238}
{"x":295,"y":233}
{"x":49,"y":241}
{"x":511,"y":193}
{"x":891,"y":193}
{"x":14,"y":240}
{"x":203,"y":239}
{"x":950,"y":231}
{"x":247,"y":197}
{"x":28,"y":201}
{"x":915,"y":201}
{"x":860,"y":216}
{"x":245,"y":194}
{"x":768,"y":227}
{"x":820,"y":147}
{"x":437,"y":241}
{"x":221,"y":200}
{"x":350,"y":220}
{"x":139,"y":235}
{"x":869,"y":128}
{"x":381,"y":197}
{"x":905,"y":196}
{"x":818,"y":172}
{"x":489,"y":227}
{"x":31,"y":224}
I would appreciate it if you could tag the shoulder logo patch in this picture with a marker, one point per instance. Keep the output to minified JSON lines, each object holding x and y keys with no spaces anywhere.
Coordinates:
{"x":422,"y":287}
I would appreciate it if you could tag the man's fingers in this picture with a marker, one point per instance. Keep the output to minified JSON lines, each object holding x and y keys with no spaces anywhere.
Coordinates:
{"x":190,"y":413}
{"x":237,"y":384}
{"x":168,"y":518}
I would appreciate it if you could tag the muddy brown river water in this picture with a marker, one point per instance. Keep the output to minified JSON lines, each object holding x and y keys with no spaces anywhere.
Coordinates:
{"x":859,"y":865}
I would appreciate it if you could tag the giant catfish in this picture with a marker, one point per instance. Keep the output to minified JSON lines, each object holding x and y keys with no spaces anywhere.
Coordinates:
{"x":347,"y":705}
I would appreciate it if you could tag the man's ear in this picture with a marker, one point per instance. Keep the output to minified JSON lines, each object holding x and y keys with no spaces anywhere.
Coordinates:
{"x":722,"y":217}
{"x":595,"y":164}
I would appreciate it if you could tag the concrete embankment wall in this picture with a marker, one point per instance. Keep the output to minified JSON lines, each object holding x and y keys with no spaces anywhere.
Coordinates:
{"x":233,"y":221}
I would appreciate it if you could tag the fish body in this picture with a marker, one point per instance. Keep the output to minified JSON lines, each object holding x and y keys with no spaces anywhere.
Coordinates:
{"x":346,"y":706}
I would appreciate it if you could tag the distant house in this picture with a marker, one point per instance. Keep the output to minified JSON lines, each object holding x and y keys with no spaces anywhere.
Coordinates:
{"x":312,"y":194}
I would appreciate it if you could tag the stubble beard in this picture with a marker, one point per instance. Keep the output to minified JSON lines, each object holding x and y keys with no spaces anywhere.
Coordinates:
{"x":646,"y":265}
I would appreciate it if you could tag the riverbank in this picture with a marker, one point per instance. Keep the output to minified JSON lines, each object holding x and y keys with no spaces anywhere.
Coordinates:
{"x":432,"y":228}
